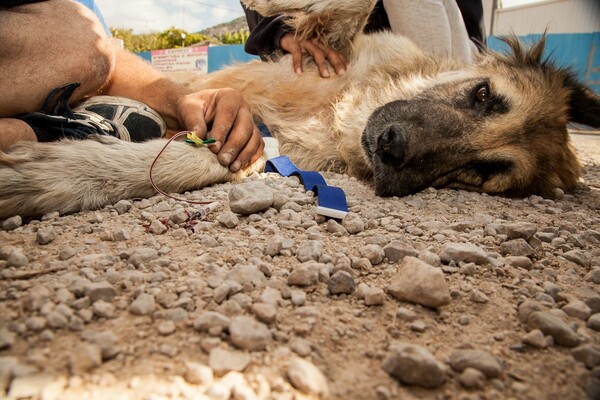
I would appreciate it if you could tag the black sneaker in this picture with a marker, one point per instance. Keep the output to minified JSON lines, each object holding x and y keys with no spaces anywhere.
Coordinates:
{"x":135,"y":121}
{"x":120,"y":117}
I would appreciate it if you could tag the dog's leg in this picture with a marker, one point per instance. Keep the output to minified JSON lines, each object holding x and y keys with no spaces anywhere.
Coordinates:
{"x":333,"y":22}
{"x":70,"y":176}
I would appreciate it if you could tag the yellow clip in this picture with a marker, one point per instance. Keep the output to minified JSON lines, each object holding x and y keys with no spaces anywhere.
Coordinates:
{"x":193,"y":138}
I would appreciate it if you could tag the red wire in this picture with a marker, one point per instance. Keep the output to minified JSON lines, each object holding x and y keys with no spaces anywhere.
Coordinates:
{"x":154,"y":163}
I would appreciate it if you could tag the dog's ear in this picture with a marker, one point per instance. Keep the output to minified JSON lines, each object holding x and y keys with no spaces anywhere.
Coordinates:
{"x":584,"y":105}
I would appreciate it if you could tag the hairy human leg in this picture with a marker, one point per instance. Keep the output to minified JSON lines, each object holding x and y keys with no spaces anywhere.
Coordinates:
{"x":13,"y":131}
{"x":46,"y":45}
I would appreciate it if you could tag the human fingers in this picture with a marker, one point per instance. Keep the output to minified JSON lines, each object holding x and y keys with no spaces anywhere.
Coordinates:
{"x":234,"y":127}
{"x":289,"y":43}
{"x":250,"y":153}
{"x":318,"y":55}
{"x":337,"y":60}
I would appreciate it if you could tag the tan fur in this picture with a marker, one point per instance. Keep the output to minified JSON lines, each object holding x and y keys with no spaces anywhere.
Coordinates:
{"x":515,"y":143}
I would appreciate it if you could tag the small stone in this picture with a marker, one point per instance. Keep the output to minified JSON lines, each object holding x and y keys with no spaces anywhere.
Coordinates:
{"x":477,"y":359}
{"x":106,"y":340}
{"x":265,"y":312}
{"x":372,"y":252}
{"x":123,"y":206}
{"x":477,"y":296}
{"x":166,"y":328}
{"x":554,"y":326}
{"x":57,"y":320}
{"x":221,"y":361}
{"x":418,"y":326}
{"x":305,"y":274}
{"x":593,"y":276}
{"x":84,"y":358}
{"x":397,"y":250}
{"x":374,"y":296}
{"x":577,"y":309}
{"x":353,"y":223}
{"x":45,"y":236}
{"x":472,"y":378}
{"x":405,"y":314}
{"x":99,"y":291}
{"x":250,"y":197}
{"x":588,"y":354}
{"x":66,"y":253}
{"x":307,"y":378}
{"x":12,"y":223}
{"x":520,"y":262}
{"x":157,"y":228}
{"x":14,"y":257}
{"x":211,"y":321}
{"x":341,"y":283}
{"x":526,"y":308}
{"x":309,"y":250}
{"x":419,"y":282}
{"x":298,"y":298}
{"x":143,"y":305}
{"x":179,"y":216}
{"x":535,"y":338}
{"x":198,"y":374}
{"x":228,"y":219}
{"x":414,"y":365}
{"x":516,"y":247}
{"x":301,"y":346}
{"x":249,"y":334}
{"x":465,"y":252}
{"x":140,"y":256}
{"x":522,"y":230}
{"x":103,"y":309}
{"x":593,"y":322}
{"x":578,"y":257}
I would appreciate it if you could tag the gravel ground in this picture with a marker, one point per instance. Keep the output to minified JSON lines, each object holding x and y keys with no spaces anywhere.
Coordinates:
{"x":444,"y":295}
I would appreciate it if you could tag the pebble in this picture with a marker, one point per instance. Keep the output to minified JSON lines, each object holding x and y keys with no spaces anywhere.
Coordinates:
{"x":249,"y":334}
{"x":466,"y":252}
{"x":372,"y":252}
{"x":198,"y":374}
{"x":250,"y":197}
{"x":588,"y":354}
{"x":31,"y":386}
{"x":144,"y":304}
{"x":341,"y":283}
{"x":535,"y":338}
{"x":157,"y":228}
{"x":99,"y":291}
{"x":353,"y":223}
{"x":305,"y":274}
{"x":414,"y":365}
{"x":211,"y":321}
{"x":228,"y":219}
{"x":578,"y":257}
{"x":103,"y":309}
{"x":374,"y":296}
{"x":405,"y":314}
{"x":554,"y":326}
{"x":307,"y":378}
{"x":472,"y":378}
{"x":12,"y":223}
{"x":166,"y":328}
{"x":419,"y":282}
{"x":477,"y":296}
{"x":517,"y":247}
{"x":309,"y":250}
{"x":577,"y":309}
{"x":123,"y":206}
{"x":593,"y":322}
{"x":140,"y":256}
{"x":520,"y":230}
{"x":265,"y":312}
{"x":14,"y":257}
{"x":301,"y":346}
{"x":221,"y":361}
{"x":396,"y":251}
{"x":477,"y":359}
{"x":520,"y":262}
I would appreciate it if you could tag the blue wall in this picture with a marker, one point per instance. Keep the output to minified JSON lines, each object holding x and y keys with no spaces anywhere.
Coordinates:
{"x":580,"y":51}
{"x":221,"y":56}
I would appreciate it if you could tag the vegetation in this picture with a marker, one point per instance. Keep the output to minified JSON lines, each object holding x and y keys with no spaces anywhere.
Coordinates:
{"x":174,"y":37}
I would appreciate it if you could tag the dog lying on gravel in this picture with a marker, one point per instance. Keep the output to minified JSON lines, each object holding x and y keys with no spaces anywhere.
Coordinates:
{"x":399,"y":117}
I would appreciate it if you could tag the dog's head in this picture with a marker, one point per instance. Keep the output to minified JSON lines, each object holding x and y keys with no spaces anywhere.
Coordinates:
{"x":496,"y":127}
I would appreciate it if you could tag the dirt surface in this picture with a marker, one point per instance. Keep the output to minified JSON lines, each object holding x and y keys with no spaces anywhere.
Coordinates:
{"x":138,"y":301}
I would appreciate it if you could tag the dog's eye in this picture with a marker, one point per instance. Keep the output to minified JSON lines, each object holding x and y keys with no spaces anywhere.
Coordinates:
{"x":482,"y":94}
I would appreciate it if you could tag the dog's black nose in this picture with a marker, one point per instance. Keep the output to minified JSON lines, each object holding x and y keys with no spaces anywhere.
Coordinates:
{"x":391,"y":145}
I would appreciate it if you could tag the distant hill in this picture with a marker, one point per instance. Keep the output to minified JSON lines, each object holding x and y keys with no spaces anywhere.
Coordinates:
{"x":231,"y":26}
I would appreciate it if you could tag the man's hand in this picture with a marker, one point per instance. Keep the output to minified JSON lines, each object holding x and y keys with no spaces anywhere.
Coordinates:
{"x":222,"y":114}
{"x":321,"y":54}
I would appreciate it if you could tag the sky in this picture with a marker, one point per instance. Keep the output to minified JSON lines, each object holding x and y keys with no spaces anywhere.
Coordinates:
{"x":157,"y":15}
{"x":190,"y":15}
